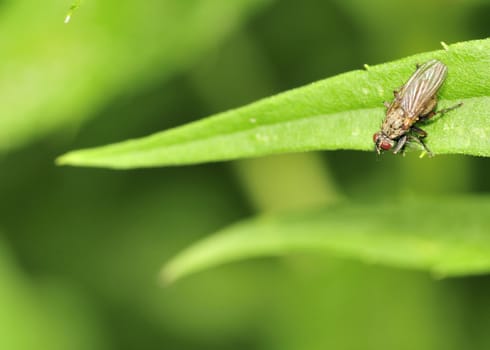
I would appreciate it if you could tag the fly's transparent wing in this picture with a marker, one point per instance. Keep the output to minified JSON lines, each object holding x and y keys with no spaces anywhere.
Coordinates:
{"x":418,"y":74}
{"x":422,"y":87}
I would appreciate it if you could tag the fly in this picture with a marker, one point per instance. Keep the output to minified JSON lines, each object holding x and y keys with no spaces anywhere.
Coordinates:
{"x":415,"y":101}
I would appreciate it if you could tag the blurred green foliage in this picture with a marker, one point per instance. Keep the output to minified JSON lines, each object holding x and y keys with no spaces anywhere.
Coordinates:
{"x":386,"y":233}
{"x":81,"y":248}
{"x":115,"y":47}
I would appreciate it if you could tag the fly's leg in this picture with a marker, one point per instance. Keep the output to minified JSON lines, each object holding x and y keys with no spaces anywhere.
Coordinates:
{"x":401,"y":143}
{"x":445,"y":110}
{"x":420,"y":142}
{"x":427,"y":116}
{"x":441,"y":111}
{"x":419,"y":131}
{"x":418,"y":138}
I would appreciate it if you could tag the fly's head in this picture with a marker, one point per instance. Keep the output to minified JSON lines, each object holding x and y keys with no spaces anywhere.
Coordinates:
{"x":382,"y":142}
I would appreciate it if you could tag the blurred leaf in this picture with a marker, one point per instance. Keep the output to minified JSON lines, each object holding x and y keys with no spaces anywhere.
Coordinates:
{"x":54,"y":74}
{"x":446,"y":236}
{"x":338,"y":113}
{"x":43,"y":318}
{"x":320,"y":302}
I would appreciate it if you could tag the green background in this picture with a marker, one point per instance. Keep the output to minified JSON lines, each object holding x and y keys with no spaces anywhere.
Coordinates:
{"x":81,"y":249}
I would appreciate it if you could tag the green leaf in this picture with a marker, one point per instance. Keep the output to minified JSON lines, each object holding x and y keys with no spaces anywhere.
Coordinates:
{"x":54,"y":75}
{"x":337,"y":113}
{"x":447,"y":236}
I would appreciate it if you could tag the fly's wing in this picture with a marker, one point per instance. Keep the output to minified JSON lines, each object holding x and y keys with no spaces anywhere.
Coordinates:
{"x":422,"y":87}
{"x":418,"y":74}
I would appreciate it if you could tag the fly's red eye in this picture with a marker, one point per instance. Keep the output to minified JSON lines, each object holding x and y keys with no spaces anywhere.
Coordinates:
{"x":385,"y":145}
{"x":375,"y":138}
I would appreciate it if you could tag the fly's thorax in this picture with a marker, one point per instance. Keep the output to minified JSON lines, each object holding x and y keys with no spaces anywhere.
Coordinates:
{"x":393,"y":124}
